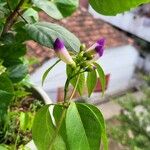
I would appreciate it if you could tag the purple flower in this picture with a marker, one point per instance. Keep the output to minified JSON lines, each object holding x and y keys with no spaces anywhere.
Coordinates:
{"x":62,"y":52}
{"x":97,"y":49}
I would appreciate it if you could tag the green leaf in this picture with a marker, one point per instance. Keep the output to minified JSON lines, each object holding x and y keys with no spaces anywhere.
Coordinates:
{"x":31,"y":15}
{"x":97,"y":113}
{"x":81,"y":82}
{"x":6,"y":84}
{"x":6,"y":94}
{"x":46,"y":33}
{"x":48,"y":70}
{"x":3,"y":147}
{"x":80,"y":78}
{"x":91,"y":125}
{"x":71,"y":6}
{"x":13,"y":3}
{"x":91,"y":81}
{"x":57,"y":113}
{"x":102,"y":76}
{"x":24,"y":121}
{"x":12,"y":51}
{"x":113,"y":7}
{"x":43,"y":131}
{"x":76,"y":134}
{"x":5,"y":99}
{"x":17,"y":72}
{"x":57,"y":8}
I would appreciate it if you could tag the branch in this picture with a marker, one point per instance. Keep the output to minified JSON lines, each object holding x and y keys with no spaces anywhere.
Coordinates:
{"x":10,"y":19}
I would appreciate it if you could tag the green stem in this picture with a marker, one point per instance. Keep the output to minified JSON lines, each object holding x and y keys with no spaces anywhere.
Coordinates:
{"x":17,"y":12}
{"x":68,"y":81}
{"x":15,"y":147}
{"x":66,"y":89}
{"x":74,"y":90}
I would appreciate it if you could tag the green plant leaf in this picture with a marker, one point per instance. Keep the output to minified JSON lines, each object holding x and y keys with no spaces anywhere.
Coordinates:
{"x":46,"y":33}
{"x":71,"y":6}
{"x":5,"y":99}
{"x":12,"y":51}
{"x":91,"y":126}
{"x":97,"y":113}
{"x":76,"y":134}
{"x":80,"y":78}
{"x":57,"y":113}
{"x":24,"y":121}
{"x":48,"y":70}
{"x":6,"y":84}
{"x":81,"y":82}
{"x":3,"y":147}
{"x":91,"y":81}
{"x":17,"y":72}
{"x":6,"y":95}
{"x":13,"y":3}
{"x":57,"y":8}
{"x":113,"y":7}
{"x":31,"y":15}
{"x":102,"y":77}
{"x":43,"y":130}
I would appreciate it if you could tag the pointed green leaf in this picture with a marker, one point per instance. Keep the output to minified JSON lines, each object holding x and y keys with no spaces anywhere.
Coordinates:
{"x":57,"y":113}
{"x":48,"y":70}
{"x":102,"y":77}
{"x":43,"y":131}
{"x":5,"y":83}
{"x":46,"y":33}
{"x":6,"y":95}
{"x":91,"y":81}
{"x":76,"y":135}
{"x":113,"y":7}
{"x":97,"y":113}
{"x":57,"y":8}
{"x":17,"y":72}
{"x":91,"y":125}
{"x":48,"y":7}
{"x":79,"y":78}
{"x":31,"y":15}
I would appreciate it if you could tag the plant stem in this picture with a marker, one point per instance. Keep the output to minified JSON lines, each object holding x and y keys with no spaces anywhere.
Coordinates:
{"x":74,"y":90}
{"x":68,"y":81}
{"x":10,"y":19}
{"x":17,"y":12}
{"x":57,"y":128}
{"x":66,"y":89}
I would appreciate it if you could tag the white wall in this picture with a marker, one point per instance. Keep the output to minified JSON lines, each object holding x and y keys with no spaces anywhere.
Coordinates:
{"x":139,"y":26}
{"x":119,"y":62}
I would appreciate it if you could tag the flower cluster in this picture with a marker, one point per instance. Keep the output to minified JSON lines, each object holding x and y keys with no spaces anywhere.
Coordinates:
{"x":91,"y":54}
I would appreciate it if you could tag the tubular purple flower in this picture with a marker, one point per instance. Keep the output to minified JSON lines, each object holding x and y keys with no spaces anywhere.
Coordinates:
{"x":97,"y":49}
{"x":62,"y":52}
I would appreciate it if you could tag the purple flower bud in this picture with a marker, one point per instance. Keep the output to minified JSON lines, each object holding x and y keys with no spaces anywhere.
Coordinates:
{"x":58,"y":44}
{"x":97,"y":49}
{"x":62,"y":52}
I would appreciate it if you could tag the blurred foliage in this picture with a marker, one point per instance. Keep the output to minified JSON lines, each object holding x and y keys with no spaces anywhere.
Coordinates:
{"x":17,"y":129}
{"x":133,"y":125}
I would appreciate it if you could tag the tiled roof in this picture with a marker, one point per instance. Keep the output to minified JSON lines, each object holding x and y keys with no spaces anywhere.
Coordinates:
{"x":86,"y":28}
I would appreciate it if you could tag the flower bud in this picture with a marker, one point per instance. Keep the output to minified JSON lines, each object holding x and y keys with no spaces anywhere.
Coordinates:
{"x":62,"y":52}
{"x":82,"y":47}
{"x":97,"y":49}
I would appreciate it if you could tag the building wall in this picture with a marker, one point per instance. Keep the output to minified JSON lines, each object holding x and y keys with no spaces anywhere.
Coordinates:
{"x":129,"y":21}
{"x":119,"y":62}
